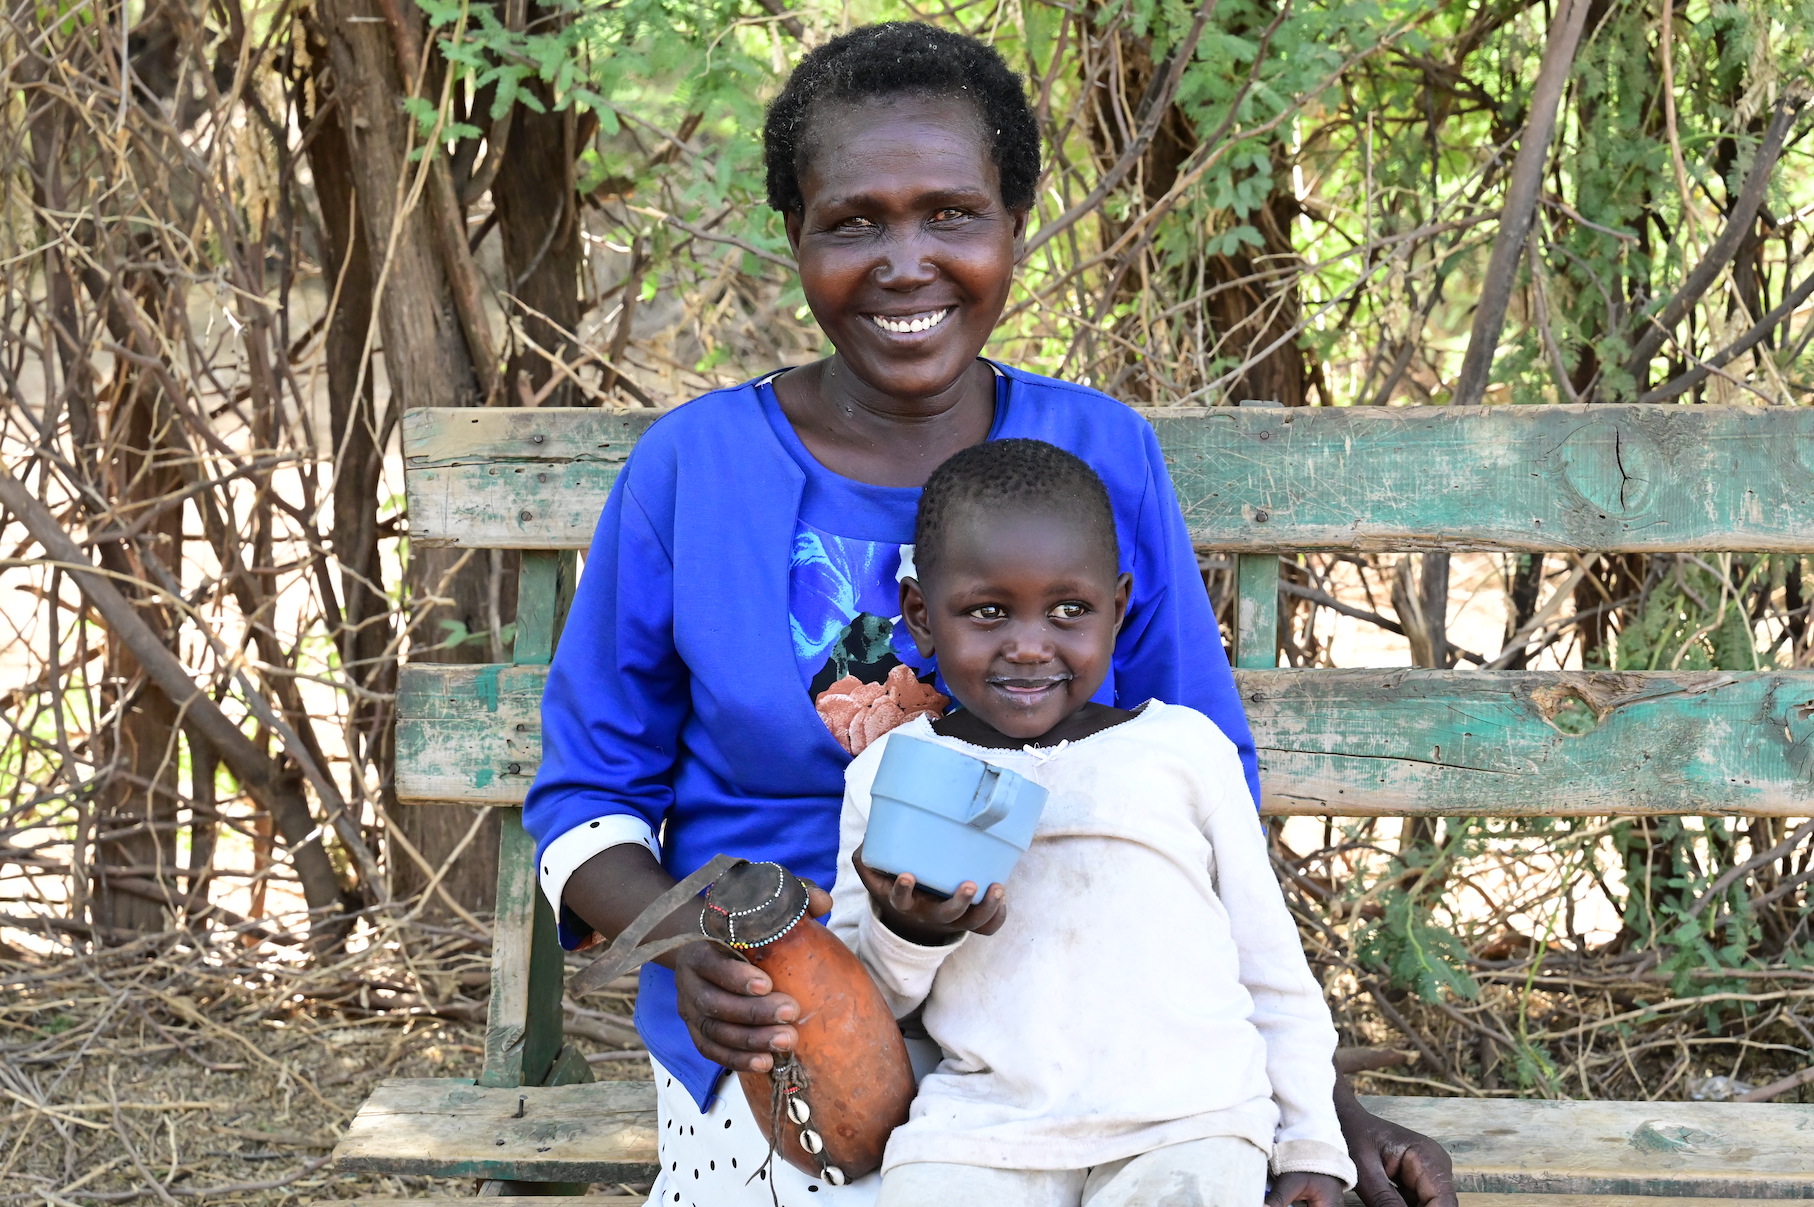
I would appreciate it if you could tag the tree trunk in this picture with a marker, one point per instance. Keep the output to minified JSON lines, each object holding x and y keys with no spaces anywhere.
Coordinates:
{"x":1253,"y":301}
{"x":538,"y":220}
{"x":427,"y":362}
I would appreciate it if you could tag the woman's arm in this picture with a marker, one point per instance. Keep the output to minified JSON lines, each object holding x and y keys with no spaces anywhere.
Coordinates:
{"x":618,"y":694}
{"x":726,"y":1002}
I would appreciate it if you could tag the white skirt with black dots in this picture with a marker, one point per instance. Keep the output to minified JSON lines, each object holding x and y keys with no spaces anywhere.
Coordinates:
{"x":716,"y":1159}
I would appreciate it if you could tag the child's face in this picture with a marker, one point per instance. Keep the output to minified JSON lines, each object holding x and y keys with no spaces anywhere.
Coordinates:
{"x":1022,"y":612}
{"x":906,"y":251}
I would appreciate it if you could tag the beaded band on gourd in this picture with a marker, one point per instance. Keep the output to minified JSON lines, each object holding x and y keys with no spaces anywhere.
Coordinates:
{"x":730,"y":916}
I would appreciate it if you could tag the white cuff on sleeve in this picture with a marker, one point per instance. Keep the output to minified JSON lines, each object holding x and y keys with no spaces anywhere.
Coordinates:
{"x":565,"y":854}
{"x":1314,"y":1156}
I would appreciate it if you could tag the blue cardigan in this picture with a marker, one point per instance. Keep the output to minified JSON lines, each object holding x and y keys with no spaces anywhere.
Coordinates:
{"x":675,"y":694}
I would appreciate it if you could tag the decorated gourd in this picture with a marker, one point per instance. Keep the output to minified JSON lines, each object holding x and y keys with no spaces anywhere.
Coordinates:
{"x":830,"y":1105}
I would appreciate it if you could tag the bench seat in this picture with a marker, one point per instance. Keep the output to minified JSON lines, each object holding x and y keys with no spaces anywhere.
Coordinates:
{"x":606,"y":1132}
{"x":1467,"y":1200}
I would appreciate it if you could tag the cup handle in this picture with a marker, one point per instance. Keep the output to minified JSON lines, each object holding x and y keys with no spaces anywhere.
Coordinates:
{"x":994,"y":797}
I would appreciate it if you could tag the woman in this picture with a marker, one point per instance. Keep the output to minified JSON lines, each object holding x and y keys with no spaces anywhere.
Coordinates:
{"x":735,"y":636}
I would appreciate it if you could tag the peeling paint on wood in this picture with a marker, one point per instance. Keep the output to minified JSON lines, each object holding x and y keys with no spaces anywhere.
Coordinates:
{"x":440,"y":1127}
{"x":1477,"y":1199}
{"x":1348,"y":742}
{"x":468,"y":734}
{"x":1256,"y":642}
{"x":511,"y":478}
{"x":1532,"y":743}
{"x":1609,"y":478}
{"x":1712,"y":1149}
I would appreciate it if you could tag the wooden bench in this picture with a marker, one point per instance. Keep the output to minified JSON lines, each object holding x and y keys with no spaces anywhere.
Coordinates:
{"x":1255,"y":482}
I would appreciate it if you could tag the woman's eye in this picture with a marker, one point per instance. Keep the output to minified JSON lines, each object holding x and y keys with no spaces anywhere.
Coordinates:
{"x":1071,"y":610}
{"x":949,"y":214}
{"x":855,"y":224}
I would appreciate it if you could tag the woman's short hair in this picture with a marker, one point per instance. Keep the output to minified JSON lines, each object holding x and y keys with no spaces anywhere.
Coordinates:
{"x":904,"y":57}
{"x":1014,"y":475}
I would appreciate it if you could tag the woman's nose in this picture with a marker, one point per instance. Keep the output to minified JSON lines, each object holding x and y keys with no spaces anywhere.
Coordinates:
{"x":905,"y":263}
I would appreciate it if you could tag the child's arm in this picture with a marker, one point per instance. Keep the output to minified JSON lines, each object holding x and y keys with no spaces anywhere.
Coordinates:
{"x":902,"y":968}
{"x":1288,"y":1006}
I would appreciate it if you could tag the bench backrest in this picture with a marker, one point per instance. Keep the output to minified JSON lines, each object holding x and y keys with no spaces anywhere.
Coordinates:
{"x":1257,"y":482}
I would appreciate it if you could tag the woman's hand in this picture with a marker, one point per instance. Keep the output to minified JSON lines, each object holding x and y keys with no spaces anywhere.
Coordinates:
{"x":919,"y":917}
{"x":1397,"y":1166}
{"x":729,"y":1004}
{"x":1316,"y":1189}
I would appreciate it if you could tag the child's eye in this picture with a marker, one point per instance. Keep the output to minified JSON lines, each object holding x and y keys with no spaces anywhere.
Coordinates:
{"x":1071,"y":609}
{"x":989,"y":612}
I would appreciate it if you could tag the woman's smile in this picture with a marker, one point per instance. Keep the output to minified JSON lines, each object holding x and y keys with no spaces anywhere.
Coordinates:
{"x":906,"y":249}
{"x":911,"y":324}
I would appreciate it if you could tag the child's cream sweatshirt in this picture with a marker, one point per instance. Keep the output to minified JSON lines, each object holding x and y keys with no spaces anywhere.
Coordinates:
{"x":1148,"y":987}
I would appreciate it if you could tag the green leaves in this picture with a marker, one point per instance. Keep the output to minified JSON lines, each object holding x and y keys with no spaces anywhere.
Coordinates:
{"x":1413,"y":953}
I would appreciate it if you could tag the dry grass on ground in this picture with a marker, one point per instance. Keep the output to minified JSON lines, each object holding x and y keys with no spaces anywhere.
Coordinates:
{"x":176,"y":1070}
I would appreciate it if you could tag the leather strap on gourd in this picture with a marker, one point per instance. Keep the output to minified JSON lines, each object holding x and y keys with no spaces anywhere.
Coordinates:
{"x":624,"y":954}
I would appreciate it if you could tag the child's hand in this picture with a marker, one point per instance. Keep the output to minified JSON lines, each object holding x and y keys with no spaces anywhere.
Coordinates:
{"x":919,"y":917}
{"x":1315,"y":1189}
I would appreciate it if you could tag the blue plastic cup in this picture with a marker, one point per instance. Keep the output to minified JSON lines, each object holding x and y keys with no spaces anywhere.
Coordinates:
{"x":945,"y":817}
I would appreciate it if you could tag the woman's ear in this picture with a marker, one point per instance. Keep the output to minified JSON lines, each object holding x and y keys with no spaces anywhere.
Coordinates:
{"x":914,"y":616}
{"x":792,"y":220}
{"x":1124,"y":589}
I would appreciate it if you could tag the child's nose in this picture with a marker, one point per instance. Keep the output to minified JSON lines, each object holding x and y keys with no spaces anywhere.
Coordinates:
{"x":1028,"y":647}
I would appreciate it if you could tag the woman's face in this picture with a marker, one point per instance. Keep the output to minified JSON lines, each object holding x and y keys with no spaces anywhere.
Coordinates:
{"x":906,"y":251}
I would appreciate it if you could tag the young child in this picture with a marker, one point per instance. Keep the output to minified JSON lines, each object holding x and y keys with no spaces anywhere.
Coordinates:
{"x":1130,"y":1020}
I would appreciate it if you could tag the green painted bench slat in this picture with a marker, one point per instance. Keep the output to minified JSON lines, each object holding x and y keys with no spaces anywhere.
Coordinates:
{"x":1610,"y":478}
{"x":1348,"y":742}
{"x":1502,"y":744}
{"x":606,"y":1132}
{"x":1761,"y":1150}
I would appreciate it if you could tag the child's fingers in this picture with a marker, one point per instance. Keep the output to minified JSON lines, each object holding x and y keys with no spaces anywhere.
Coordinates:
{"x":993,"y":912}
{"x":877,"y":883}
{"x":900,"y":894}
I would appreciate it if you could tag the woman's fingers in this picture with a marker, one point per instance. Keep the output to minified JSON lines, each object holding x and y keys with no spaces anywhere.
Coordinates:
{"x":770,"y":1010}
{"x":745,"y":1049}
{"x":717,"y":967}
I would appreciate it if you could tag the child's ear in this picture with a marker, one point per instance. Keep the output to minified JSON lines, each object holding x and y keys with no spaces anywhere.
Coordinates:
{"x":1124,"y":589}
{"x":1020,"y":233}
{"x":914,"y":616}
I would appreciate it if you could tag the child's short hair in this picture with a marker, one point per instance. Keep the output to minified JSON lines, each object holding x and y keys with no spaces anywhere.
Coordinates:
{"x":905,"y":57}
{"x":1013,"y":474}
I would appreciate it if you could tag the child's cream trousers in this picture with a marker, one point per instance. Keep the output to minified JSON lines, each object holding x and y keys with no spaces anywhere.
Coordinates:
{"x":1222,"y":1171}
